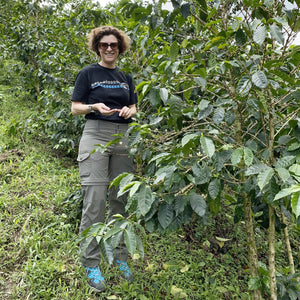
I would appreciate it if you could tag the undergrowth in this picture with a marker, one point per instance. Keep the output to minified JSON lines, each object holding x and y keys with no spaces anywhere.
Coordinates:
{"x":39,"y":220}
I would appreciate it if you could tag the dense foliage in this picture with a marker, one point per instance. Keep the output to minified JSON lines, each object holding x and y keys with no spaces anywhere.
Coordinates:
{"x":218,"y":123}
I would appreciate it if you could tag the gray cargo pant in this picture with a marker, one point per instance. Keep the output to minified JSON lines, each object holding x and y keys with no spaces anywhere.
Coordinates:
{"x":96,"y":170}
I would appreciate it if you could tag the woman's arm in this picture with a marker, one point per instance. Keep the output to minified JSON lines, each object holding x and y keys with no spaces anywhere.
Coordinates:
{"x":79,"y":108}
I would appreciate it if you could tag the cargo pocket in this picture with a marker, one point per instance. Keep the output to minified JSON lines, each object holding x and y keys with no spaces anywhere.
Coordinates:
{"x":84,"y":164}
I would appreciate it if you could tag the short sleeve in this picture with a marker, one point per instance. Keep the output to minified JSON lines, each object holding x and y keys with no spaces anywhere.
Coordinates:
{"x":81,"y":88}
{"x":133,"y":95}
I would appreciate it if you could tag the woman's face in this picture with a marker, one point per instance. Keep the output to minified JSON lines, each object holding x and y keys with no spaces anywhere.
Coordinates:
{"x":109,"y":50}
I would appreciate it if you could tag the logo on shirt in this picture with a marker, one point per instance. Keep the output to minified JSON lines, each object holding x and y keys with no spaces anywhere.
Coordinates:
{"x":110,"y":85}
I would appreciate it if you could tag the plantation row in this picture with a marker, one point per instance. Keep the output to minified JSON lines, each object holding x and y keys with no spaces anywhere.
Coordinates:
{"x":218,"y":122}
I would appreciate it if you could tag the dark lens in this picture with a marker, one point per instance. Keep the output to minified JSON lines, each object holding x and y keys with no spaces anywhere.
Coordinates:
{"x":104,"y":46}
{"x":113,"y":46}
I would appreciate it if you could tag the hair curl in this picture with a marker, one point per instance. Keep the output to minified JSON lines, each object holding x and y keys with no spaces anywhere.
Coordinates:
{"x":97,"y":34}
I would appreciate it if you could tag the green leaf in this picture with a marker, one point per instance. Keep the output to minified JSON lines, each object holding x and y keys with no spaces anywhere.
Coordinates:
{"x":248,"y":156}
{"x":240,"y":37}
{"x":175,"y":105}
{"x":145,"y":199}
{"x":106,"y":251}
{"x":198,"y":204}
{"x":237,"y":155}
{"x":283,"y":193}
{"x":208,"y":146}
{"x":283,"y":173}
{"x":164,"y":95}
{"x":214,"y":188}
{"x":115,"y":239}
{"x":185,"y":10}
{"x":244,"y":85}
{"x":295,"y":169}
{"x":125,"y":183}
{"x":140,"y":247}
{"x":180,"y":204}
{"x":295,"y":203}
{"x":130,"y":239}
{"x":165,"y":215}
{"x":260,"y":34}
{"x":187,"y":138}
{"x":285,"y":161}
{"x":134,"y":188}
{"x":174,"y":49}
{"x":201,"y":82}
{"x":219,"y":115}
{"x":259,"y":79}
{"x":112,"y":232}
{"x":277,"y":34}
{"x":264,"y":177}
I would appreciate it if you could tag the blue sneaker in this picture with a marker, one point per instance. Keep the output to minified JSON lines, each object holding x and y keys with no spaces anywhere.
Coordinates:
{"x":95,"y":279}
{"x":125,"y":271}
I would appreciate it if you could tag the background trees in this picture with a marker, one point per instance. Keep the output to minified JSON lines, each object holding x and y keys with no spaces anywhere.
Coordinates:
{"x":218,"y":123}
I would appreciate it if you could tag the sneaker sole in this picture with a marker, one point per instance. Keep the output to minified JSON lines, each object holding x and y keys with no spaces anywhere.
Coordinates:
{"x":96,"y":290}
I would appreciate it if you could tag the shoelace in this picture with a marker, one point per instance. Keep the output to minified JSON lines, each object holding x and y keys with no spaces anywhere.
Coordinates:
{"x":123,"y":267}
{"x":94,"y":273}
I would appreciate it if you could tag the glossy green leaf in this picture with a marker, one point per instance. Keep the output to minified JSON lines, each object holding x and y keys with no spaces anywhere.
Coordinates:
{"x":260,"y":34}
{"x":248,"y":156}
{"x":295,"y":203}
{"x":208,"y":146}
{"x":165,"y":215}
{"x":218,"y":116}
{"x":277,"y":34}
{"x":283,"y":173}
{"x":174,"y":49}
{"x":106,"y":251}
{"x":240,"y":37}
{"x":145,"y":199}
{"x":198,"y":204}
{"x":130,"y":240}
{"x":164,"y":94}
{"x":264,"y":177}
{"x":259,"y":79}
{"x":237,"y":156}
{"x":214,"y":188}
{"x":187,"y":138}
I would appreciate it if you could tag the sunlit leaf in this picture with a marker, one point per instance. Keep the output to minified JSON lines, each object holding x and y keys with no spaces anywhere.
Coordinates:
{"x":264,"y":177}
{"x":260,"y":34}
{"x":248,"y":156}
{"x":208,"y":146}
{"x":259,"y":79}
{"x":236,"y":156}
{"x":295,"y":203}
{"x":277,"y":34}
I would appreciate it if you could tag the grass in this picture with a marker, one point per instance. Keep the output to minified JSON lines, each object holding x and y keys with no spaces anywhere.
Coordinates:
{"x":38,"y":230}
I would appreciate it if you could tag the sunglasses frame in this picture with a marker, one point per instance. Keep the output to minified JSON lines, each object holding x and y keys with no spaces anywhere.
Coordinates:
{"x":113,"y":46}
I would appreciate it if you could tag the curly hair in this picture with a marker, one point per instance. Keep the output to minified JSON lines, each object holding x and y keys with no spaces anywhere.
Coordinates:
{"x":97,"y":34}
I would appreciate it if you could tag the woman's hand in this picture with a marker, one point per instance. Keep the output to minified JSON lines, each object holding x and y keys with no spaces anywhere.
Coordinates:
{"x":128,"y":112}
{"x":104,"y":110}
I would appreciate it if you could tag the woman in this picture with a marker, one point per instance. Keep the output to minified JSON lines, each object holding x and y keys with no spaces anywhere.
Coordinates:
{"x":106,"y":97}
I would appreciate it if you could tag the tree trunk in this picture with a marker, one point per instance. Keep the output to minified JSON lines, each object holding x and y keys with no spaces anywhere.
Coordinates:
{"x":252,"y":251}
{"x":288,"y":245}
{"x":272,"y":269}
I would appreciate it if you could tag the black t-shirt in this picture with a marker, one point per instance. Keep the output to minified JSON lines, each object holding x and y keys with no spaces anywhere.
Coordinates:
{"x":96,"y":84}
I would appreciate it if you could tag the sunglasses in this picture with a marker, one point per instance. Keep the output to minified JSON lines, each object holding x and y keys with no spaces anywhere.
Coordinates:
{"x":113,"y":46}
